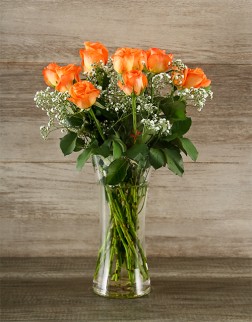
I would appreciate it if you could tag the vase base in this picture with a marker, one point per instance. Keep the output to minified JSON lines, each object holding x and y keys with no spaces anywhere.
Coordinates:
{"x":122,"y":290}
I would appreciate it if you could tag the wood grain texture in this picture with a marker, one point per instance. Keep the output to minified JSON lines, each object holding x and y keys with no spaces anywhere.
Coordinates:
{"x":47,"y":208}
{"x":51,"y":209}
{"x":196,"y":31}
{"x":60,"y":289}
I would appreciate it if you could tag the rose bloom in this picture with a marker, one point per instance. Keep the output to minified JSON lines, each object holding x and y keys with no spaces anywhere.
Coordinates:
{"x":127,"y":59}
{"x":133,"y":82}
{"x":94,"y":52}
{"x":50,"y":74}
{"x":83,"y":94}
{"x":158,"y":61}
{"x":191,"y":78}
{"x":62,"y":78}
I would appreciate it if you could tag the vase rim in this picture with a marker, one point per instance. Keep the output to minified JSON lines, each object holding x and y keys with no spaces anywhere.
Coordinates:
{"x":126,"y":185}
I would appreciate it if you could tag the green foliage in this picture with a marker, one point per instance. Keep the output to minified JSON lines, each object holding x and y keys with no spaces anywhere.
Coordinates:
{"x":104,"y":114}
{"x":104,"y":149}
{"x":68,"y":142}
{"x":102,"y":78}
{"x":157,"y":158}
{"x":85,"y":155}
{"x":174,"y":161}
{"x":75,"y":120}
{"x":188,"y":148}
{"x":179,"y":128}
{"x":116,"y":138}
{"x":79,"y":145}
{"x":117,"y":171}
{"x":117,"y":150}
{"x":174,"y":110}
{"x":138,"y":151}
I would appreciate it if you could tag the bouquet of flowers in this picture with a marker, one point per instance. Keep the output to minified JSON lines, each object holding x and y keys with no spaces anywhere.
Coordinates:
{"x":128,"y":112}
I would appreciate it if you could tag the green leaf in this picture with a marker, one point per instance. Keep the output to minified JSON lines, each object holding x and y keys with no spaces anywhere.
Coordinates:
{"x":179,"y":128}
{"x":100,"y":112}
{"x":104,"y":149}
{"x":85,"y":155}
{"x":174,"y":161}
{"x":189,"y":148}
{"x":79,"y":145}
{"x":117,"y":171}
{"x":178,"y":110}
{"x":169,"y":137}
{"x":138,"y":151}
{"x":67,"y":143}
{"x":173,"y":110}
{"x":74,"y":121}
{"x":146,"y":136}
{"x":157,"y":158}
{"x":117,"y":150}
{"x":119,"y":141}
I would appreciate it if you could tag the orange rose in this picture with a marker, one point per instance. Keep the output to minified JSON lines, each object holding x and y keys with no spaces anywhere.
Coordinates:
{"x":83,"y":94}
{"x":127,"y":59}
{"x":62,"y":78}
{"x":94,"y":52}
{"x":133,"y":81}
{"x":50,"y":74}
{"x":191,"y":78}
{"x":158,"y":61}
{"x":67,"y":76}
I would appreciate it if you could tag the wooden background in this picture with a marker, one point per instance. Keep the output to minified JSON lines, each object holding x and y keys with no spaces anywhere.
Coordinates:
{"x":48,"y":208}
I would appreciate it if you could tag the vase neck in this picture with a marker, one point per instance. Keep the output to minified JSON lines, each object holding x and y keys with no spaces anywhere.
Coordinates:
{"x":136,"y":175}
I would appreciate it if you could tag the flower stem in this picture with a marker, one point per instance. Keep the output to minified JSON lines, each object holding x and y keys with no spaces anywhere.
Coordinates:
{"x":121,"y":243}
{"x":134,"y":113}
{"x":99,"y":105}
{"x":97,"y":123}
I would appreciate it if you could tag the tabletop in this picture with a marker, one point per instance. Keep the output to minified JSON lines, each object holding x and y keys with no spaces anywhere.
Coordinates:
{"x":183,"y":289}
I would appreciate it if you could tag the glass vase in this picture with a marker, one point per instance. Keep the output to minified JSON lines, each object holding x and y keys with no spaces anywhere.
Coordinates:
{"x":121,"y":268}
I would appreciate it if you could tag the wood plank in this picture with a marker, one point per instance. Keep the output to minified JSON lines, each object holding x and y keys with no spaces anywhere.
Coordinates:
{"x":51,"y":210}
{"x":222,"y":131}
{"x":44,"y":216}
{"x":64,"y":267}
{"x":60,"y":289}
{"x":41,"y":30}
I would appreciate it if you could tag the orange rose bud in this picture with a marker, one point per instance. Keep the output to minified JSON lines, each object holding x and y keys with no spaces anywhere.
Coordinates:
{"x":94,"y":52}
{"x":191,"y":78}
{"x":127,"y":59}
{"x":50,"y":74}
{"x":133,"y":82}
{"x":62,"y":78}
{"x":158,"y":61}
{"x":83,"y":94}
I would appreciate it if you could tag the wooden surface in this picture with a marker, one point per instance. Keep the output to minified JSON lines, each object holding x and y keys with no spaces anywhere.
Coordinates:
{"x":214,"y":31}
{"x":60,"y":289}
{"x":47,"y":208}
{"x":46,"y":218}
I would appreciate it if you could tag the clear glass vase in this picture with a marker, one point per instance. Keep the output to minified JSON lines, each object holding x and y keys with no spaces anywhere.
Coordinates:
{"x":121,"y":268}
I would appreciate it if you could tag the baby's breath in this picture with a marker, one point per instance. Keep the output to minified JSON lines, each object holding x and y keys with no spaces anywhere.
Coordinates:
{"x":161,"y":84}
{"x":197,"y":96}
{"x":179,"y":65}
{"x":156,"y":125}
{"x":57,"y":108}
